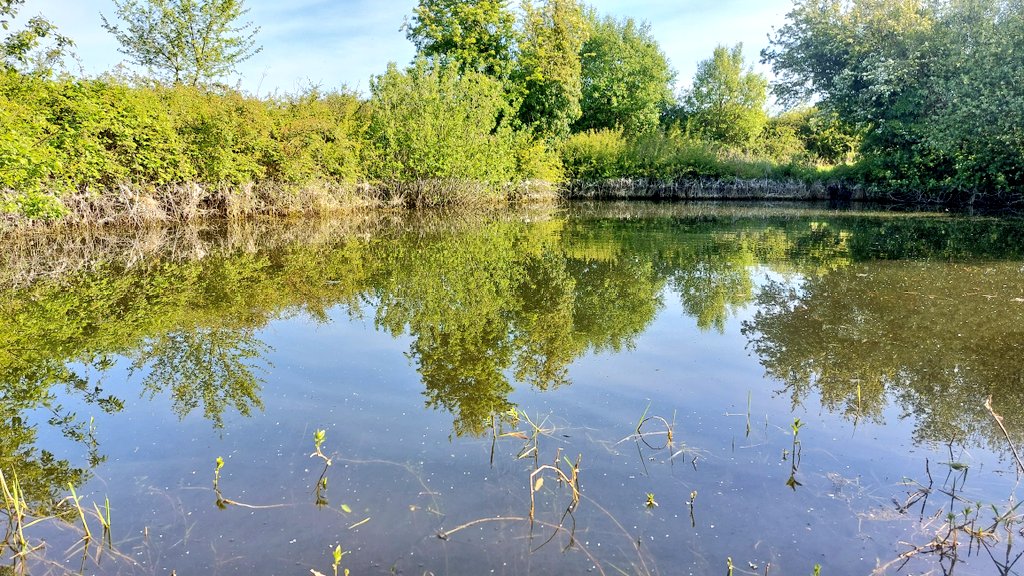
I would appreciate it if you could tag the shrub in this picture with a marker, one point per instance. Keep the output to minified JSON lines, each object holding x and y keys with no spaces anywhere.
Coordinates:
{"x":431,"y":123}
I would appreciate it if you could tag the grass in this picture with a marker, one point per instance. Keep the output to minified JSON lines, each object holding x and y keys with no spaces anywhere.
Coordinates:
{"x":670,"y":165}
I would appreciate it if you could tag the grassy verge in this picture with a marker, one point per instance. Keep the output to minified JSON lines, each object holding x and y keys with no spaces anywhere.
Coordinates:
{"x":605,"y":164}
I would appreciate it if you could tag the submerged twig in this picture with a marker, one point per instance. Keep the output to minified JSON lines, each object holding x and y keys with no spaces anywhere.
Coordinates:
{"x":999,"y":421}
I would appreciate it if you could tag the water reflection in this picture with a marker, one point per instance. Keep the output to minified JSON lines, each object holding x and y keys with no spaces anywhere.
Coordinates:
{"x":860,"y":309}
{"x":936,"y":337}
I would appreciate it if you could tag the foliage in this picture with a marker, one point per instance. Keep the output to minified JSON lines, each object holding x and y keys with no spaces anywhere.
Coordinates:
{"x":431,"y":123}
{"x":93,"y":136}
{"x":549,"y":71}
{"x":726,"y":102}
{"x":25,"y":50}
{"x":473,"y":35}
{"x":927,"y":83}
{"x":191,"y":42}
{"x":626,"y":77}
{"x":670,"y":156}
{"x":321,"y":136}
{"x":809,"y":134}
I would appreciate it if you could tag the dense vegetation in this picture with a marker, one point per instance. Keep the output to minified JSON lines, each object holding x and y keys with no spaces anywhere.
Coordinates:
{"x":501,"y":104}
{"x":932,"y":86}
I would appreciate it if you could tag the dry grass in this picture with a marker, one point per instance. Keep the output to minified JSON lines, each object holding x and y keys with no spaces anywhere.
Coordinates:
{"x":134,"y":206}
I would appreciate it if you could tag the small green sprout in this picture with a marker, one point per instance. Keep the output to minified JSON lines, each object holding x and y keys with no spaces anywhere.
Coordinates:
{"x":651,"y":503}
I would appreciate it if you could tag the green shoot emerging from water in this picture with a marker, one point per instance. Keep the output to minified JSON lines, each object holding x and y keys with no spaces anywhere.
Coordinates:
{"x":218,"y":464}
{"x":81,"y":512}
{"x":651,"y":502}
{"x":689,"y":503}
{"x":318,"y":441}
{"x":321,"y":484}
{"x":337,"y":560}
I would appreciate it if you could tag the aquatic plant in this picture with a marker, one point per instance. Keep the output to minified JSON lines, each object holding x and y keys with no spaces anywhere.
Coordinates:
{"x":689,"y":504}
{"x":651,"y":502}
{"x":321,"y":484}
{"x":75,"y":501}
{"x":795,"y":454}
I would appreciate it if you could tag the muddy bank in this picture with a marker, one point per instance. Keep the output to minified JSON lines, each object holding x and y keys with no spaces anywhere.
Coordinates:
{"x":711,"y":189}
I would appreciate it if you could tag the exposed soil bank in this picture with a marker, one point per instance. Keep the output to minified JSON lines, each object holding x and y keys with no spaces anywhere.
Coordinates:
{"x":712,"y":189}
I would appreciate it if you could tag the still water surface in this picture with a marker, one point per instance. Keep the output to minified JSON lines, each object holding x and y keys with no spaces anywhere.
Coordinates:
{"x":666,"y":389}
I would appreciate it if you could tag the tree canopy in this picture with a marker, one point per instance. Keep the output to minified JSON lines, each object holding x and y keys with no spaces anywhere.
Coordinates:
{"x":726,"y":102}
{"x":932,"y":85}
{"x":189,"y":42}
{"x":27,"y":50}
{"x":626,"y":77}
{"x":550,"y":70}
{"x":476,"y":35}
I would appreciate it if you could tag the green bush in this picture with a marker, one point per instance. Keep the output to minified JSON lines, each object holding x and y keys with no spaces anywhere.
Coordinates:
{"x":320,"y":137}
{"x":594,"y":154}
{"x":433,"y":123}
{"x":667,"y":156}
{"x":26,"y":159}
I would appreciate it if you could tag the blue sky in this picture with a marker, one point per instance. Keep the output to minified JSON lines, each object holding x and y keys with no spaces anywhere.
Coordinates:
{"x":336,"y":42}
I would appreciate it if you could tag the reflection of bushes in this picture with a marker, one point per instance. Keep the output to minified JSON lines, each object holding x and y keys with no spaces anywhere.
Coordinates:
{"x":500,"y":298}
{"x":485,"y":299}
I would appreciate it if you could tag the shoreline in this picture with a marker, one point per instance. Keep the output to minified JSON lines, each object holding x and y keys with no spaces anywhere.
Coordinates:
{"x":143,"y":206}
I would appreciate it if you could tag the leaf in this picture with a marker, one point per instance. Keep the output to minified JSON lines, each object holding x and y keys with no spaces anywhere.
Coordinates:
{"x":517,"y":434}
{"x":345,"y":508}
{"x":538,"y":484}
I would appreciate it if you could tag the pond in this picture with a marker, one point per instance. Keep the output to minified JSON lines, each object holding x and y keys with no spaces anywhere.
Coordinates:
{"x":595,"y":389}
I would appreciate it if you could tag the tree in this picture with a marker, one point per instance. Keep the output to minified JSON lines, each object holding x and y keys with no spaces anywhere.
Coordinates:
{"x":189,"y":42}
{"x":549,"y":74}
{"x":24,"y":50}
{"x":626,"y":77}
{"x":475,"y":35}
{"x":726,"y":102}
{"x":932,"y":85}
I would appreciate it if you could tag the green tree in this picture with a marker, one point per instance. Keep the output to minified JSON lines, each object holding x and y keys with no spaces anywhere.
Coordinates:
{"x":626,"y":77}
{"x":189,"y":42}
{"x":932,"y":85}
{"x":26,"y":50}
{"x":550,"y":72}
{"x":978,"y":105}
{"x":854,"y":56}
{"x":475,"y":35}
{"x":726,"y":102}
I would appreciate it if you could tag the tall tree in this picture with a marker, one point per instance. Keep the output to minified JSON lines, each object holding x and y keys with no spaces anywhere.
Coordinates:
{"x":189,"y":42}
{"x":726,"y":102}
{"x":27,"y":50}
{"x":932,"y":84}
{"x":626,"y":77}
{"x":476,"y":35}
{"x":550,"y":71}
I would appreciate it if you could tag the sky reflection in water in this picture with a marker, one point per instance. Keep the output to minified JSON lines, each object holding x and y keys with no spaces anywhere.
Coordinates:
{"x":428,"y":349}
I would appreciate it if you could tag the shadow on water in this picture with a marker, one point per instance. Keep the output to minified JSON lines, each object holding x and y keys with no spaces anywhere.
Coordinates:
{"x":859,"y":310}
